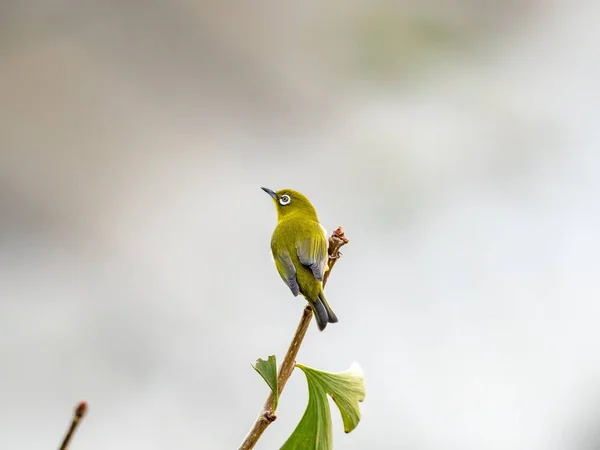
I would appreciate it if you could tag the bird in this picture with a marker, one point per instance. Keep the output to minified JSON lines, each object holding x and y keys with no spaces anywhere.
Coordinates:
{"x":299,"y":250}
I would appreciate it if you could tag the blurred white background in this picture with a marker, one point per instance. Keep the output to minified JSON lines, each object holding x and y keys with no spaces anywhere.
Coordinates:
{"x":456,"y":142}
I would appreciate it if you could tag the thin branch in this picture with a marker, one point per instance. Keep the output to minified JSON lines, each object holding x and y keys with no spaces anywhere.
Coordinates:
{"x":78,"y":415}
{"x":336,"y":241}
{"x":267,"y":416}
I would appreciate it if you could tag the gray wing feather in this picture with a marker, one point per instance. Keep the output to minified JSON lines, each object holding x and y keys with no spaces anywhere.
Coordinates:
{"x":312,"y":253}
{"x":287,"y":271}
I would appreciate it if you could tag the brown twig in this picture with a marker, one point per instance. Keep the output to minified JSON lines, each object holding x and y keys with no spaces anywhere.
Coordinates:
{"x":267,"y":416}
{"x":78,"y":415}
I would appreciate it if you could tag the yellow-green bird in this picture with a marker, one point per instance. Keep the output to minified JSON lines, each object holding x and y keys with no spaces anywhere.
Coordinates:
{"x":299,"y":248}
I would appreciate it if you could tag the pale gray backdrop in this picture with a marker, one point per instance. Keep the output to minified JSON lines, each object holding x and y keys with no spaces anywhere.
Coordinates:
{"x":457,"y":143}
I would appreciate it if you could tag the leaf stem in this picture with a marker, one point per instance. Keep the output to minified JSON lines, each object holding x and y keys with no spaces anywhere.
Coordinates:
{"x":266,"y":416}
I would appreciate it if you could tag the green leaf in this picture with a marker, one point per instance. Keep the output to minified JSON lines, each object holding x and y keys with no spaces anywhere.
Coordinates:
{"x":347,"y":389}
{"x":268,"y":370}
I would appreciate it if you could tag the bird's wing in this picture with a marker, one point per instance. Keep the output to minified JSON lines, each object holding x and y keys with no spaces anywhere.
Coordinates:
{"x":287,"y":271}
{"x":312,"y":251}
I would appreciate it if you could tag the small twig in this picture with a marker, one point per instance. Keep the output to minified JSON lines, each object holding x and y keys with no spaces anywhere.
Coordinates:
{"x":267,"y":416}
{"x":78,"y":415}
{"x":336,"y":241}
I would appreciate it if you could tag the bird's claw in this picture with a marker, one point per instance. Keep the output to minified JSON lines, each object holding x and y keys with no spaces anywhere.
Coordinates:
{"x":336,"y":255}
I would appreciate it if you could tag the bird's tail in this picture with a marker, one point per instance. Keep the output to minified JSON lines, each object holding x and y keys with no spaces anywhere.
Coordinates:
{"x":323,"y":312}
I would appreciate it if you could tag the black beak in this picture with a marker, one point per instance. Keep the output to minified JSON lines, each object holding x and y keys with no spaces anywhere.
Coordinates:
{"x":270,"y":192}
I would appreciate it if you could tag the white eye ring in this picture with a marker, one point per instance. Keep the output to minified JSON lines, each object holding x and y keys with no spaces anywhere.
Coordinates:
{"x":284,"y":200}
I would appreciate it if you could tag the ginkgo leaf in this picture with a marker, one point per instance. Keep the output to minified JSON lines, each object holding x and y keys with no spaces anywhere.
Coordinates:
{"x":347,"y":389}
{"x":268,"y":370}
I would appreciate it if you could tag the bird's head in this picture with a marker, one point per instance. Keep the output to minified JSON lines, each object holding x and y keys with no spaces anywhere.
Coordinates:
{"x":289,"y":202}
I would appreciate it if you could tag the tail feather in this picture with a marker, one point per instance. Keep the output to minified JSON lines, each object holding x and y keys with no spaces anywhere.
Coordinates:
{"x":321,"y":315}
{"x":323,"y":312}
{"x":332,"y":318}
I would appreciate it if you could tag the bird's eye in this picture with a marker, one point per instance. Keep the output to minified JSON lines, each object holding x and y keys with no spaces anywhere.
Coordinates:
{"x":284,"y":200}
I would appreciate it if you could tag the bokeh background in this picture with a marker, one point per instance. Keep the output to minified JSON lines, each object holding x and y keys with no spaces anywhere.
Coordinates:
{"x":456,"y":142}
